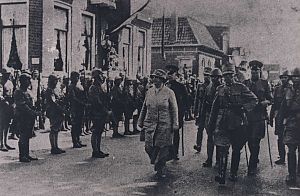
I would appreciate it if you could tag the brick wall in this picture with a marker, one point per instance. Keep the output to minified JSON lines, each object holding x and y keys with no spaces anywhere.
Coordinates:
{"x":35,"y":32}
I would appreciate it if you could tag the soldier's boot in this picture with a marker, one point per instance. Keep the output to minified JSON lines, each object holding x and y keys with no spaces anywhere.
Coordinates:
{"x":22,"y":153}
{"x":198,"y":145}
{"x":134,"y":123}
{"x":52,"y":139}
{"x":292,"y":164}
{"x":127,"y":129}
{"x":56,"y":143}
{"x":210,"y":151}
{"x":223,"y":166}
{"x":253,"y":161}
{"x":235,"y":161}
{"x":281,"y":150}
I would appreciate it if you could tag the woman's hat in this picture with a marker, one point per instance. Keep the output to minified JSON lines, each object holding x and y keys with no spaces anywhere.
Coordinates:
{"x":159,"y":73}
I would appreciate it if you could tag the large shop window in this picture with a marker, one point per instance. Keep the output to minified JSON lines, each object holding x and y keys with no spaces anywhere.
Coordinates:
{"x":13,"y":35}
{"x":61,"y":38}
{"x":86,"y":41}
{"x":141,"y":52}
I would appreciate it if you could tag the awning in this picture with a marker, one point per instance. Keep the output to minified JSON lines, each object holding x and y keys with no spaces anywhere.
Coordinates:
{"x":104,"y":3}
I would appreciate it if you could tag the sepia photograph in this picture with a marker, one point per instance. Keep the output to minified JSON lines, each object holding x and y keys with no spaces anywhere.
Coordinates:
{"x":149,"y":97}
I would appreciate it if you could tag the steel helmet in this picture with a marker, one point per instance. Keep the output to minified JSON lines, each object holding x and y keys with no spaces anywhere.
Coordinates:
{"x":216,"y":72}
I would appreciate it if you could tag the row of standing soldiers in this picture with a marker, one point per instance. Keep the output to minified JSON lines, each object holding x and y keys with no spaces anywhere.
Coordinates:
{"x":92,"y":101}
{"x":234,"y":113}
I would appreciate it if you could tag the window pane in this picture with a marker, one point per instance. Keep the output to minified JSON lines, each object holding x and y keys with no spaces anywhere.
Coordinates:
{"x":15,"y":11}
{"x":87,"y":24}
{"x":60,"y":19}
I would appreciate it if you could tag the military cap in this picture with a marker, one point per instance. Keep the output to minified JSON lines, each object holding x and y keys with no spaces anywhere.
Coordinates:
{"x":96,"y":72}
{"x":296,"y":72}
{"x":173,"y":68}
{"x":118,"y":77}
{"x":52,"y":77}
{"x":216,"y":72}
{"x":159,"y":73}
{"x":25,"y":74}
{"x":255,"y":65}
{"x":74,"y":74}
{"x":228,"y":69}
{"x":285,"y":73}
{"x":207,"y":70}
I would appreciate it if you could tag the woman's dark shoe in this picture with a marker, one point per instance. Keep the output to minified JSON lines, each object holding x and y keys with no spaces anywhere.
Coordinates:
{"x":61,"y":150}
{"x":12,"y":137}
{"x":77,"y":146}
{"x":280,"y":162}
{"x":3,"y":148}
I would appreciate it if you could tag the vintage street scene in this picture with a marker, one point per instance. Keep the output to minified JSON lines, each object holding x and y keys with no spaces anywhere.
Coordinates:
{"x":149,"y":97}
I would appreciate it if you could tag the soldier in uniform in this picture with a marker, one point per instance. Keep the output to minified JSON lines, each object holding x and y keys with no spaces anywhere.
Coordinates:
{"x":227,"y":121}
{"x":181,"y":98}
{"x":210,"y":91}
{"x":25,"y":115}
{"x":55,"y":113}
{"x":257,"y":118}
{"x":7,"y":106}
{"x":117,"y":105}
{"x":77,"y":100}
{"x":200,"y":92}
{"x":279,"y":93}
{"x":291,"y":115}
{"x":98,"y":111}
{"x":129,"y":104}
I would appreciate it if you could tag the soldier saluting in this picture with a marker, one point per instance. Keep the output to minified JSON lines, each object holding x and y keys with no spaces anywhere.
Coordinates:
{"x":228,"y":119}
{"x":257,"y":117}
{"x":291,"y":114}
{"x":25,"y":115}
{"x":279,"y":94}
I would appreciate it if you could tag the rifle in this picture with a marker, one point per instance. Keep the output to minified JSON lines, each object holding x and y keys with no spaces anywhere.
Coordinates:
{"x":39,"y":102}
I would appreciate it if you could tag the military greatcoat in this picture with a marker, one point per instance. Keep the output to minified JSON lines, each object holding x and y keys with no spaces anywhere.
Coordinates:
{"x":227,"y":116}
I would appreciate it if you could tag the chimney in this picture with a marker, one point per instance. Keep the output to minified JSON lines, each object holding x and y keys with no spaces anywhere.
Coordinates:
{"x":225,"y":42}
{"x":173,"y":27}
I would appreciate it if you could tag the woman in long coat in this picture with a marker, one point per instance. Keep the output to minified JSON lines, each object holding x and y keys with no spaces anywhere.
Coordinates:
{"x":159,"y":119}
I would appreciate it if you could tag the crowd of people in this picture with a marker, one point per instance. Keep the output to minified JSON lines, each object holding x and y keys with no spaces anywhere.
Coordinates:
{"x":231,"y":109}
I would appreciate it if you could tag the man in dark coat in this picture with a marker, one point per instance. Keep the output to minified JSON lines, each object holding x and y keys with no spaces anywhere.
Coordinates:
{"x":279,"y":94}
{"x":181,"y":98}
{"x":200,"y":92}
{"x":25,"y":115}
{"x":98,"y":111}
{"x":210,"y":91}
{"x":257,"y":118}
{"x":291,"y":114}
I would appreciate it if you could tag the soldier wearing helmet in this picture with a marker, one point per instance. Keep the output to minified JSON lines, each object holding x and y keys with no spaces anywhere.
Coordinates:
{"x":210,"y":91}
{"x":291,"y":115}
{"x":279,"y":93}
{"x":198,"y":100}
{"x":99,"y":113}
{"x":78,"y":101}
{"x":25,"y":115}
{"x":257,"y":118}
{"x":55,"y":113}
{"x":227,"y":121}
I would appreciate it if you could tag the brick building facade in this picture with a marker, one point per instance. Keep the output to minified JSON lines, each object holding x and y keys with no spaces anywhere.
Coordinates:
{"x":63,"y":35}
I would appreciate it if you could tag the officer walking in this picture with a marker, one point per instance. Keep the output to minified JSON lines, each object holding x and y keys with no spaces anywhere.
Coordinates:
{"x":291,"y":114}
{"x":279,"y":94}
{"x":257,"y":118}
{"x":77,"y":100}
{"x":200,"y":92}
{"x":227,"y":120}
{"x":181,"y":98}
{"x":25,"y":115}
{"x":98,"y":111}
{"x":55,"y":113}
{"x":210,"y":91}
